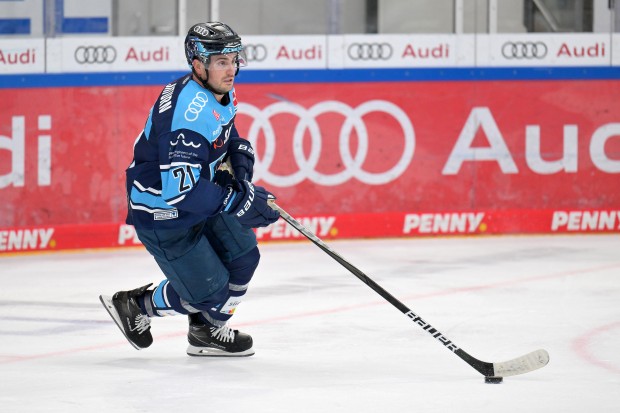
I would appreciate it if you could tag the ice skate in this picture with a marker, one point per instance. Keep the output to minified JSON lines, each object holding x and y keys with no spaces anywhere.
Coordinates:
{"x":125,"y":311}
{"x":211,"y":341}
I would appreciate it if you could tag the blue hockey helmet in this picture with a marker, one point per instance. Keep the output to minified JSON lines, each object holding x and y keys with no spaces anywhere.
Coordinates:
{"x":206,"y":39}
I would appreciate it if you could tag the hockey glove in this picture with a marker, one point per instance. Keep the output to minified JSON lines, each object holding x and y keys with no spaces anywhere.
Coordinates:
{"x":250,"y":206}
{"x":223,"y":178}
{"x":241,"y":157}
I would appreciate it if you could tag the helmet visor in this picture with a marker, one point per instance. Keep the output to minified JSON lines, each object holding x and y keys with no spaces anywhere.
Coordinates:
{"x":226,"y":61}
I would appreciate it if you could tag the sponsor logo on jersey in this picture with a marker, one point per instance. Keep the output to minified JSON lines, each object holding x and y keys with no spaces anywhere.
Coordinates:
{"x":222,"y":138}
{"x":196,"y":106}
{"x":163,"y":215}
{"x":181,"y":138}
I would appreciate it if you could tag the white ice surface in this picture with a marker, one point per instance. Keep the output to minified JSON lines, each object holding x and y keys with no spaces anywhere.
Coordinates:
{"x":324,"y":341}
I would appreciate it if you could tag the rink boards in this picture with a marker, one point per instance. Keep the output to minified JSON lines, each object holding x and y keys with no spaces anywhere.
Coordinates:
{"x":356,"y":151}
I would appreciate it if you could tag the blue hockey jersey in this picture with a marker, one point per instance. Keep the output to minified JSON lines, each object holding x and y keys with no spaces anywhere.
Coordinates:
{"x":185,"y":139}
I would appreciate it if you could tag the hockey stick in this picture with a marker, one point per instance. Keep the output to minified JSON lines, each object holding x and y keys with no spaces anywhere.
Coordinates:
{"x":520,"y":365}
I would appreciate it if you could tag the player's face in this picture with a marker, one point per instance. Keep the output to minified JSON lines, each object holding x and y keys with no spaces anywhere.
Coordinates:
{"x":222,"y":69}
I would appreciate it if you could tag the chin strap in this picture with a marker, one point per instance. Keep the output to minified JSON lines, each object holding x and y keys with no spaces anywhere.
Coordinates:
{"x":203,"y":82}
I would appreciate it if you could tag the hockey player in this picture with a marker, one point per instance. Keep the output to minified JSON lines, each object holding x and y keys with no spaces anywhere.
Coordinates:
{"x":192,"y":216}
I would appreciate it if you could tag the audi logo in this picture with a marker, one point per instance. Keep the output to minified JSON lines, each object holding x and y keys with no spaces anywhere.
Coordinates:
{"x":195,"y":106}
{"x":369,"y":51}
{"x":307,"y":125}
{"x":255,"y":52}
{"x":524,"y":50}
{"x":95,"y":54}
{"x":201,"y":30}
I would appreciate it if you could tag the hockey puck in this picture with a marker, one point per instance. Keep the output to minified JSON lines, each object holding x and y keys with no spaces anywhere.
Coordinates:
{"x":493,"y":380}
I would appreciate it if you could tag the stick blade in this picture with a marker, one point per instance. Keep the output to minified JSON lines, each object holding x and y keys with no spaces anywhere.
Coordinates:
{"x":524,"y":364}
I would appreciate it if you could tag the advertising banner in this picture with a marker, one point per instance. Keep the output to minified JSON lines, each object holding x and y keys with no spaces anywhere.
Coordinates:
{"x":115,"y":54}
{"x":333,"y":226}
{"x":394,"y":158}
{"x":436,"y":146}
{"x":535,"y":49}
{"x":104,"y":54}
{"x":132,"y":54}
{"x":430,"y":50}
{"x":22,"y":56}
{"x":286,"y":52}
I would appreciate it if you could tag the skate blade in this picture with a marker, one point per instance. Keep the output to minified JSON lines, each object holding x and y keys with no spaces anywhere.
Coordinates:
{"x":214,"y":352}
{"x":107,"y":304}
